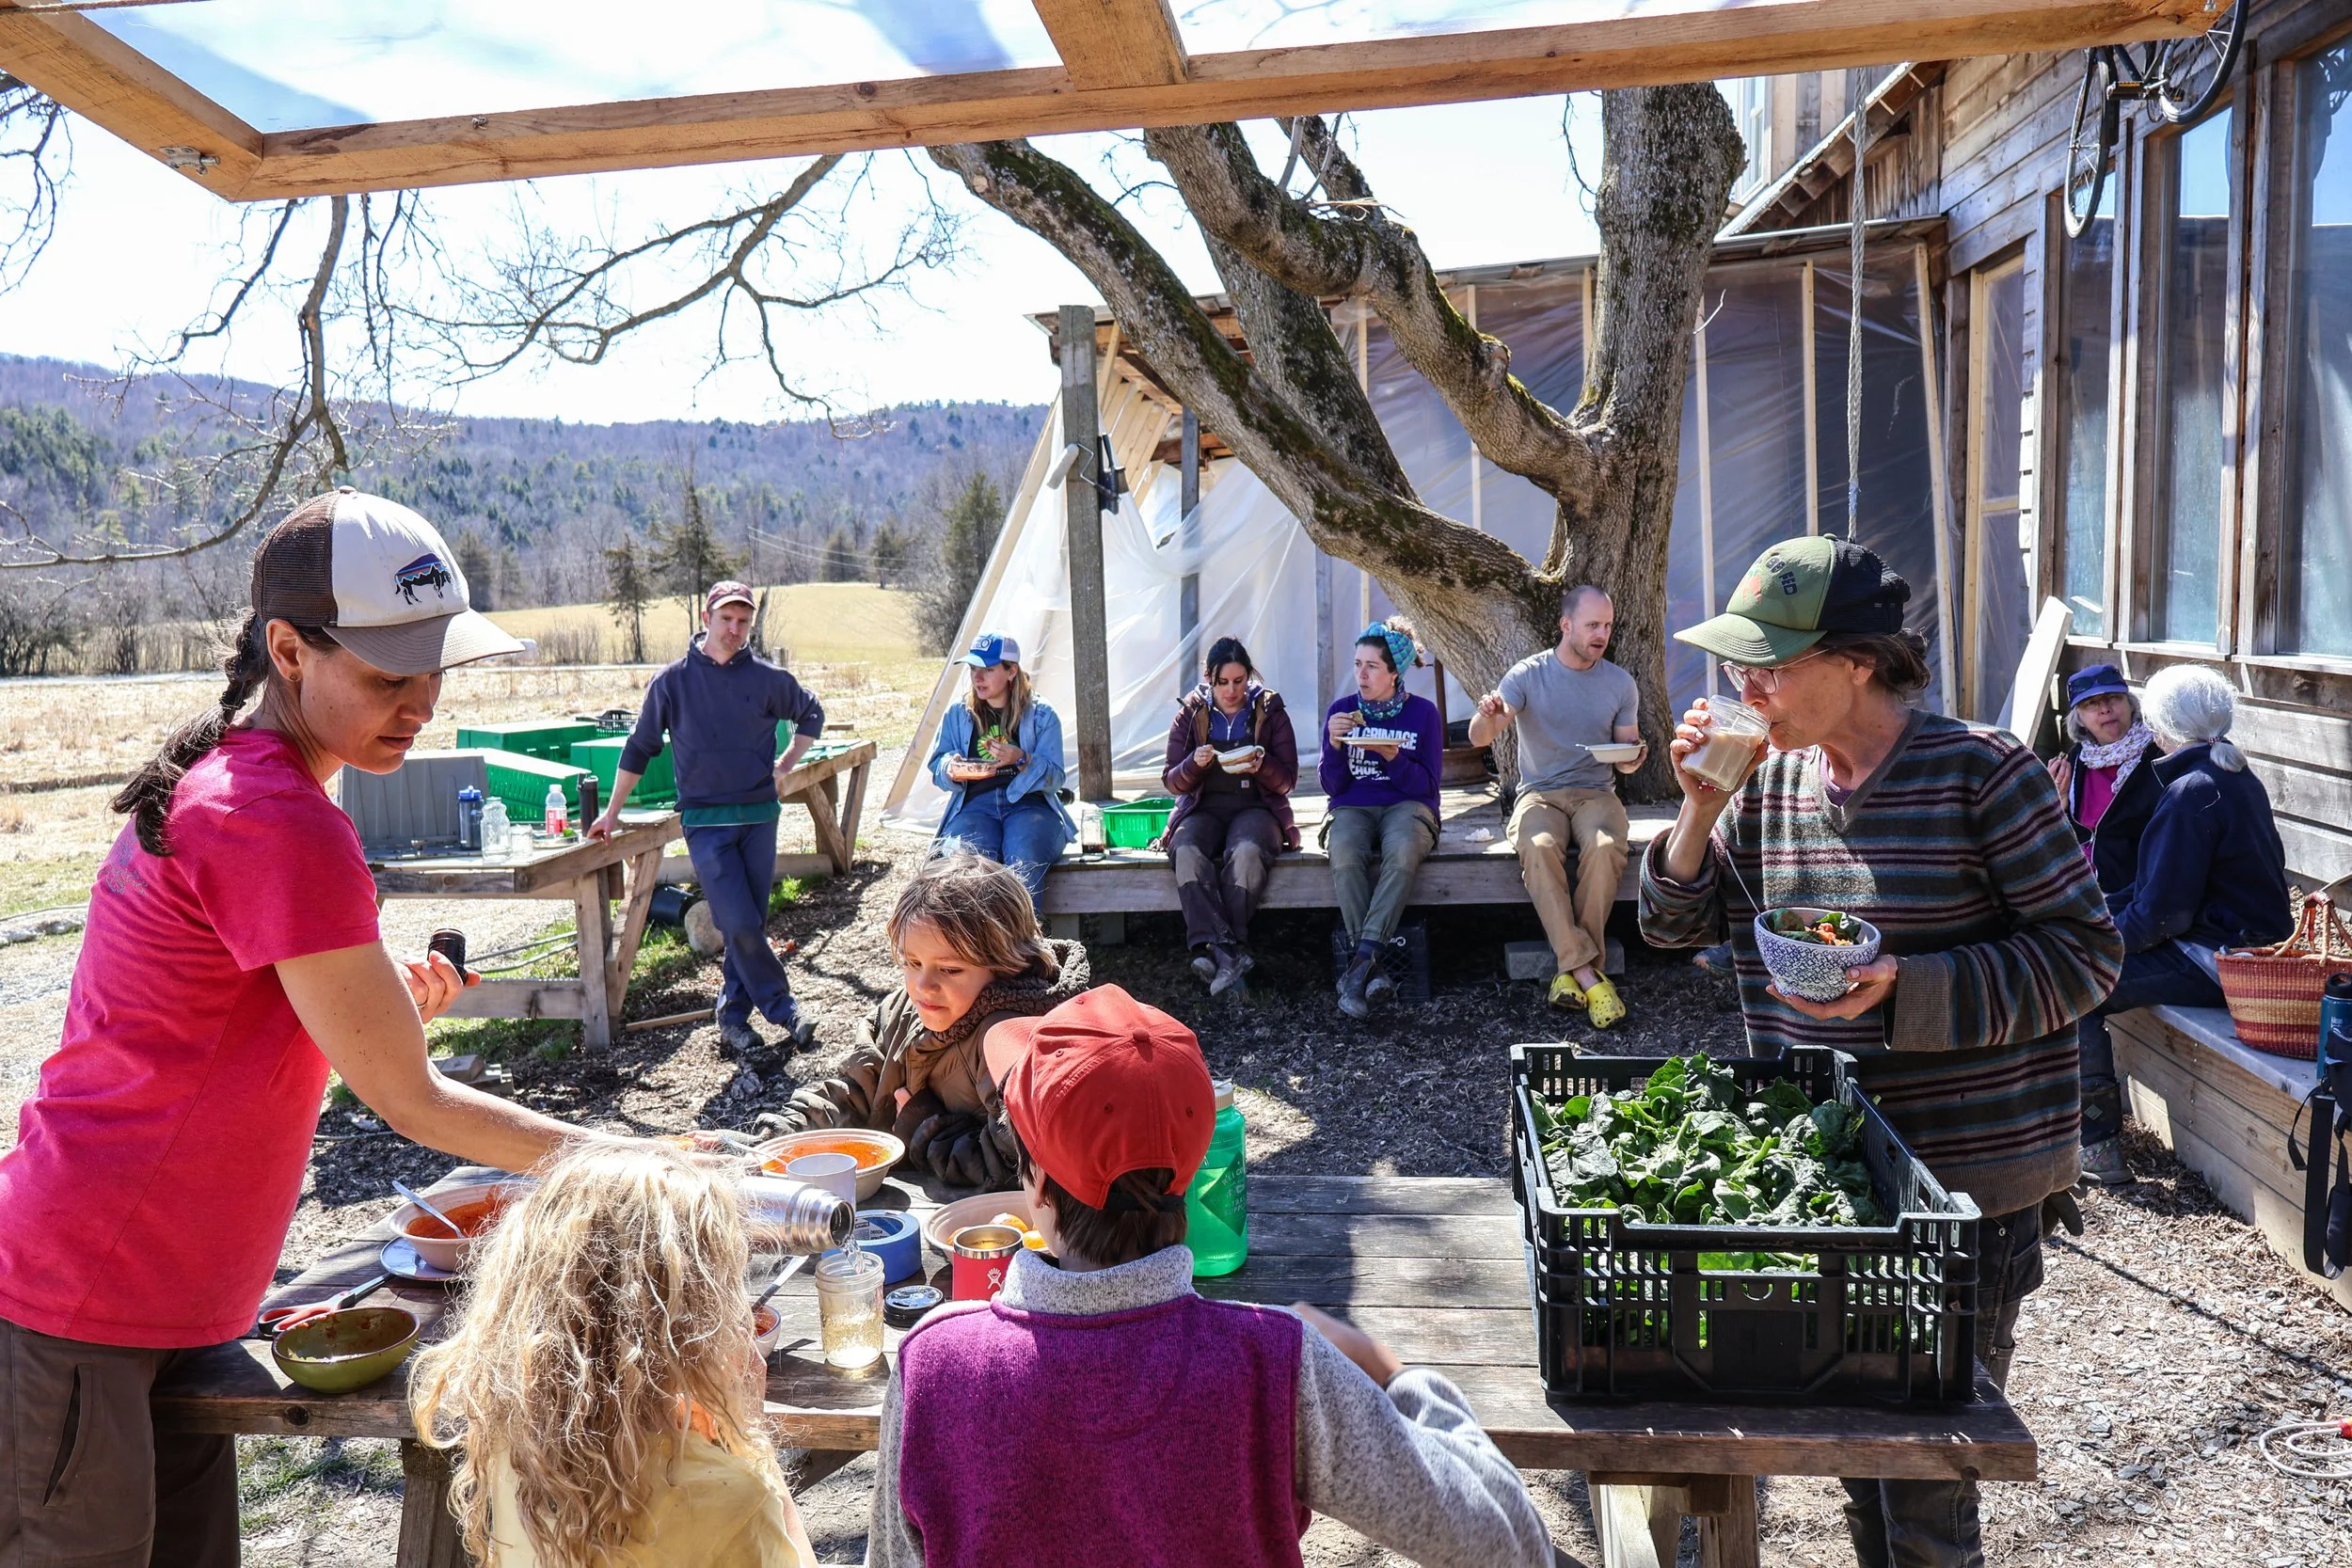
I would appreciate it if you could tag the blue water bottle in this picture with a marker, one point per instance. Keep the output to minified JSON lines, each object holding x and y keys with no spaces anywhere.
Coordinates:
{"x":2335,"y":1021}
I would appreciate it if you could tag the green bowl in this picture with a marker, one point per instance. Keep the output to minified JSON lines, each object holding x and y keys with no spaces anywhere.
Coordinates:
{"x":346,"y":1349}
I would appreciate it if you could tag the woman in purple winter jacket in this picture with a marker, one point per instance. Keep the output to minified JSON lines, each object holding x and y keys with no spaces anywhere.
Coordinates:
{"x":1233,"y":761}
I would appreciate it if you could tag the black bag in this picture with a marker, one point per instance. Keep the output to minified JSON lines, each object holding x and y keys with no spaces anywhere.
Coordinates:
{"x":2327,"y":1206}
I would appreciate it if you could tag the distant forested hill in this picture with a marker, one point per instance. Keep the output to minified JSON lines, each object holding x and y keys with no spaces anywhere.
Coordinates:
{"x":532,"y":503}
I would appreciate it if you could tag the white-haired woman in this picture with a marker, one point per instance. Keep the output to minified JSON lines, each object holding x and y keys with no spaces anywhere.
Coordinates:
{"x":2212,"y":875}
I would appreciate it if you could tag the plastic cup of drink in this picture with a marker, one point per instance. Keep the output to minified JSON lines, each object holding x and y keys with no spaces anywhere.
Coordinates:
{"x":835,"y":1173}
{"x":850,"y":1308}
{"x":1736,"y":735}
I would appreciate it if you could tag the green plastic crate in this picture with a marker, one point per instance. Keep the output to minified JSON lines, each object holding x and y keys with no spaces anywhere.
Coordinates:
{"x":1134,"y":824}
{"x":548,"y":740}
{"x":523,"y":782}
{"x":602,"y":757}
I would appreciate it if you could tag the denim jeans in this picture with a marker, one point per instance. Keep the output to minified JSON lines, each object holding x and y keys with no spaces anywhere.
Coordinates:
{"x":1399,"y":837}
{"x":1934,"y":1524}
{"x":2161,"y":976}
{"x":1026,"y":835}
{"x":736,"y":864}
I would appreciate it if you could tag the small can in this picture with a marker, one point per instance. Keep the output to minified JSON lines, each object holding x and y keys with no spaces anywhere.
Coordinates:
{"x":587,"y":802}
{"x":906,"y":1306}
{"x":982,"y":1253}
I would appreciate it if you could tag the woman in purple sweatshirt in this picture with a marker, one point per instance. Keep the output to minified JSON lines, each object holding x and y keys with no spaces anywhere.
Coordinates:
{"x":1100,"y":1411}
{"x":1383,"y":801}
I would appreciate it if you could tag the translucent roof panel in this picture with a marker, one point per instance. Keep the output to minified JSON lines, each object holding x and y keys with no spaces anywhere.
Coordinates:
{"x":294,"y":65}
{"x":1213,"y":26}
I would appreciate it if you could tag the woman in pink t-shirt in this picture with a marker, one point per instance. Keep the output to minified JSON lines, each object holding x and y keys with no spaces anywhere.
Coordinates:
{"x":231,"y":958}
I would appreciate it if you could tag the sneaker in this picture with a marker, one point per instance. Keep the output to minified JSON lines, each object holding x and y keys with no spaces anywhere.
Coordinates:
{"x":1566,"y":993}
{"x":737,"y":1038}
{"x":1204,"y":964}
{"x":1352,"y":1000}
{"x":1232,"y":964}
{"x":1602,"y":1004}
{"x":798,"y":1033}
{"x":2104,"y":1166}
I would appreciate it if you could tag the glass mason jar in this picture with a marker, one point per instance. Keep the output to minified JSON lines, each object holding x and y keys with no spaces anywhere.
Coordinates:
{"x":850,"y":1307}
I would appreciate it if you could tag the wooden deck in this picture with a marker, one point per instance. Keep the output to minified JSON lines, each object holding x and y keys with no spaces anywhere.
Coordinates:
{"x":1463,"y":869}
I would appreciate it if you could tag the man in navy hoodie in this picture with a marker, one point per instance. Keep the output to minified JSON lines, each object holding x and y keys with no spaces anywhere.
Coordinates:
{"x":719,"y":707}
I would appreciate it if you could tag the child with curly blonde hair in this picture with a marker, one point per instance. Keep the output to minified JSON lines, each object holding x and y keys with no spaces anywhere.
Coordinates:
{"x":603,"y":1378}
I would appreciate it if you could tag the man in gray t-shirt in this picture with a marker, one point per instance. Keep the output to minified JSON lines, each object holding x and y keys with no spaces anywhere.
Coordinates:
{"x":1566,"y":701}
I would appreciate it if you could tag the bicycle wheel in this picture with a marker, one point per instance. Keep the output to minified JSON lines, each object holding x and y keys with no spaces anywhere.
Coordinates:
{"x":2192,"y":73}
{"x":2090,"y":143}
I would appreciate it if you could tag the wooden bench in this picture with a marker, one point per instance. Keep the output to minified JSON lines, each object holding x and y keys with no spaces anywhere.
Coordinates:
{"x":2225,"y":1109}
{"x":1461,"y":870}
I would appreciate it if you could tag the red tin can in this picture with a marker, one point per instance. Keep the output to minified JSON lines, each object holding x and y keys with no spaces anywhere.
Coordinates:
{"x":983,"y":1254}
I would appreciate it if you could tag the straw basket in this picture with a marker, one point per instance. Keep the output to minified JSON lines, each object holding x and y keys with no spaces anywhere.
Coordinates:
{"x":2274,"y":991}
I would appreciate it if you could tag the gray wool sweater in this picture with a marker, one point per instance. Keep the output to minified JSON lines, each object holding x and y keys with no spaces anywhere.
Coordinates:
{"x":1407,"y":1467}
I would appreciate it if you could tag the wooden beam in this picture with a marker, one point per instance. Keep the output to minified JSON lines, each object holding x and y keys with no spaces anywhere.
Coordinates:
{"x":1641,"y":42}
{"x":1082,"y":516}
{"x":1114,"y":43}
{"x":105,"y":81}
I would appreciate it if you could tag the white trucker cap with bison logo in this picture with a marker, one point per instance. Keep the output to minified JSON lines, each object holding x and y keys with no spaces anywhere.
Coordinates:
{"x":379,"y":579}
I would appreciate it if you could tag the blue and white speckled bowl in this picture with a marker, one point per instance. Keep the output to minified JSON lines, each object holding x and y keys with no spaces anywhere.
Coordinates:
{"x":1810,"y":969}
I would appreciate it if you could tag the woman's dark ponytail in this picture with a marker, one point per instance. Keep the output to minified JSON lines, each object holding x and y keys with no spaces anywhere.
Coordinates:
{"x":147,"y":798}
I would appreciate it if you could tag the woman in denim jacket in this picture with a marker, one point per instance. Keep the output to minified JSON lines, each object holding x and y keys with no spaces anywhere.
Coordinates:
{"x":999,"y":758}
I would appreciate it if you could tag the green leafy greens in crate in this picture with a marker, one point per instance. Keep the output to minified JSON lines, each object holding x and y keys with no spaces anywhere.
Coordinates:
{"x":1692,"y":1147}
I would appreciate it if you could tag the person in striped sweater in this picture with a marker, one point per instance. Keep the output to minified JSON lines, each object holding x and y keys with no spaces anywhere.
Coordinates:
{"x":1953,"y":842}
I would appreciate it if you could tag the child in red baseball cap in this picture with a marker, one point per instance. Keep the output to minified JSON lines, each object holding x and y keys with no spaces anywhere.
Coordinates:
{"x":1100,"y":1410}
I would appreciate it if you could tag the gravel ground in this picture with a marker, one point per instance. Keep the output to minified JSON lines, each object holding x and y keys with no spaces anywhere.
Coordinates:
{"x":2166,"y":1339}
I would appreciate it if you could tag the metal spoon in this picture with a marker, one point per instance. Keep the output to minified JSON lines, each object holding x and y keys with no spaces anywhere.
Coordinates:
{"x":791,"y":1267}
{"x":416,"y":1198}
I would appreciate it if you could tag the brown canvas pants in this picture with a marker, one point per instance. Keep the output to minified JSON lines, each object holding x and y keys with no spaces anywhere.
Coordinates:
{"x":85,"y":1476}
{"x":1545,"y":826}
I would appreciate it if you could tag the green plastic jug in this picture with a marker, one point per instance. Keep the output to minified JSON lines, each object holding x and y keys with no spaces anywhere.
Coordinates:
{"x":1217,"y":1205}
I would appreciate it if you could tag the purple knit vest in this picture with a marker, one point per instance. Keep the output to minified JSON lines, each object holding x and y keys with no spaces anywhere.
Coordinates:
{"x":1158,"y":1438}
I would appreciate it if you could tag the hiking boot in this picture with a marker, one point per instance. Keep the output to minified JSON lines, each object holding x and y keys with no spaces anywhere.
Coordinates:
{"x":1352,"y":1000}
{"x":1232,"y":964}
{"x":737,"y":1038}
{"x":1379,"y":985}
{"x":2104,"y":1166}
{"x":798,"y":1033}
{"x":1602,"y":1004}
{"x":1566,"y":993}
{"x":1204,"y":964}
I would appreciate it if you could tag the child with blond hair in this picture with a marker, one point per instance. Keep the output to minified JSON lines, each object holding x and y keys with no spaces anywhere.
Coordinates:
{"x":603,"y":1378}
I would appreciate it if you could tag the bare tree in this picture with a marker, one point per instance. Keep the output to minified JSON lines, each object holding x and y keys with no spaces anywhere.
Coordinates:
{"x":1293,"y":411}
{"x":35,"y":157}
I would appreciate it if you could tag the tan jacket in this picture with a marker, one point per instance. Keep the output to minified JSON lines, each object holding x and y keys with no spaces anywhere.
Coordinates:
{"x":717,"y":1511}
{"x":933,"y":1090}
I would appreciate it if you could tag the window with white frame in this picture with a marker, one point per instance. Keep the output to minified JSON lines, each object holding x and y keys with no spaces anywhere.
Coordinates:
{"x":1752,"y":111}
{"x":2315,"y":601}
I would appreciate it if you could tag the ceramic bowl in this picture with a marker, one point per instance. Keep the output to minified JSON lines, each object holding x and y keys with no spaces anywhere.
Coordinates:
{"x":1238,"y":758}
{"x":346,"y":1349}
{"x":875,"y":1152}
{"x":1615,"y":752}
{"x":436,"y":1246}
{"x":1809,"y":969}
{"x":980,"y":1208}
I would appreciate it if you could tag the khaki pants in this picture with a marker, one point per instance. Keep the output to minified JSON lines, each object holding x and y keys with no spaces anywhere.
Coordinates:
{"x":1545,"y":826}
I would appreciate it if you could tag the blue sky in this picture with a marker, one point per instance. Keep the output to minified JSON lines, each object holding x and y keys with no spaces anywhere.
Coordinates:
{"x":139,"y":250}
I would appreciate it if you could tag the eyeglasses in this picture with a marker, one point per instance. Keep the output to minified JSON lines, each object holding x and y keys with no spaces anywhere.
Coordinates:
{"x":1741,"y":676}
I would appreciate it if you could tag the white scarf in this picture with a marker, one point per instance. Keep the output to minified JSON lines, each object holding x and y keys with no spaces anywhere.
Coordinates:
{"x":2122,"y":753}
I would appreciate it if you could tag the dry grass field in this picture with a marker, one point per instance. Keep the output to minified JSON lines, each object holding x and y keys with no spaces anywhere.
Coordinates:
{"x":64,"y":743}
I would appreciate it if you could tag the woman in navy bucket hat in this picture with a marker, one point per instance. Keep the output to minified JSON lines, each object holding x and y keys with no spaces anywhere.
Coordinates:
{"x":999,"y":758}
{"x":2109,"y":791}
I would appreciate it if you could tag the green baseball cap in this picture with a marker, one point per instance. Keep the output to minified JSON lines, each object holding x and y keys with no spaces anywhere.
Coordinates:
{"x":1799,"y":592}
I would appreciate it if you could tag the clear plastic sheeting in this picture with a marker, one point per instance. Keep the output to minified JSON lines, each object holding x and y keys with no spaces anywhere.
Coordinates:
{"x":1213,"y":26}
{"x":1742,"y":485}
{"x":296,"y":65}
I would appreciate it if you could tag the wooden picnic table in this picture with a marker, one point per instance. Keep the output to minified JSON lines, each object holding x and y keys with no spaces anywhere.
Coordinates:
{"x":625,"y":870}
{"x":1432,"y":1265}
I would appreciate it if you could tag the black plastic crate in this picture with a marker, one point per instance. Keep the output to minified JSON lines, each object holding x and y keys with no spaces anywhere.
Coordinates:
{"x":1403,"y":959}
{"x":1623,"y":1310}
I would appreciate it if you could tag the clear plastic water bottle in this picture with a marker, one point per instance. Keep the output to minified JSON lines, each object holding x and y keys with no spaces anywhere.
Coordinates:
{"x":498,"y":834}
{"x":559,"y":820}
{"x":1217,"y":1205}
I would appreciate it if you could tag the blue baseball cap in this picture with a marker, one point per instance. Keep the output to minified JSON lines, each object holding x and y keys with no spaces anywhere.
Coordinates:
{"x":2100,"y":680}
{"x":993,"y":648}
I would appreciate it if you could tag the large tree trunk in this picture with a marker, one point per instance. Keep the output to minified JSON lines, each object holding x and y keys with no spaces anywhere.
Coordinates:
{"x":1295,"y":413}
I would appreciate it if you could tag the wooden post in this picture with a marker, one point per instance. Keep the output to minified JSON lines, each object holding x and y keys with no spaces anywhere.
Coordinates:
{"x":594,"y":920}
{"x":1089,"y":636}
{"x":429,"y":1536}
{"x":1188,"y":540}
